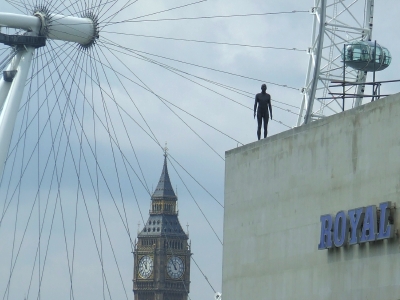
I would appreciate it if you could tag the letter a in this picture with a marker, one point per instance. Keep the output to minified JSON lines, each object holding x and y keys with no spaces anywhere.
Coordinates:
{"x":368,"y":232}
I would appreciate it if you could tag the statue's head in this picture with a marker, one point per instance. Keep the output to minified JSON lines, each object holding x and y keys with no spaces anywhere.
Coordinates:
{"x":264,"y":87}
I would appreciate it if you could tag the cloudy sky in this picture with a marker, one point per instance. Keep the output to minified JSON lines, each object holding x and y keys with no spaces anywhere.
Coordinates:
{"x":155,"y":75}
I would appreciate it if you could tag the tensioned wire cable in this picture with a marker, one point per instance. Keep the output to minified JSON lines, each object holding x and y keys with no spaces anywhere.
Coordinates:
{"x":100,"y":169}
{"x":208,"y":17}
{"x":211,"y":226}
{"x":25,"y":168}
{"x":183,"y":121}
{"x":207,"y":42}
{"x":55,"y":163}
{"x":119,"y":107}
{"x":26,"y":112}
{"x":109,"y":42}
{"x":125,"y":77}
{"x":158,"y":12}
{"x":106,"y":111}
{"x":174,"y":70}
{"x":204,"y":215}
{"x":213,"y":82}
{"x":88,"y":214}
{"x":197,"y":204}
{"x":125,"y":6}
{"x":196,"y":117}
{"x":109,"y":121}
{"x":27,"y":222}
{"x":192,"y":196}
{"x":142,"y":57}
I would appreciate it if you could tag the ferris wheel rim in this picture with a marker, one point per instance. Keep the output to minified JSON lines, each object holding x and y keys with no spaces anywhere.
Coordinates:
{"x":322,"y":41}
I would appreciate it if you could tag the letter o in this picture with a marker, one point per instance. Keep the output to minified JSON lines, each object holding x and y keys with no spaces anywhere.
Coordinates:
{"x":340,"y":229}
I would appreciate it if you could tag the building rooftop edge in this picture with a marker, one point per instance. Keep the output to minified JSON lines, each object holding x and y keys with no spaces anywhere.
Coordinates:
{"x":296,"y":130}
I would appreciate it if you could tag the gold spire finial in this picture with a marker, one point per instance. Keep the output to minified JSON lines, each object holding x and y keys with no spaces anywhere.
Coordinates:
{"x":166,"y":150}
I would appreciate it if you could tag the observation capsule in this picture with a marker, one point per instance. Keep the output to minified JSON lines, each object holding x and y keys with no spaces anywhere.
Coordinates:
{"x":361,"y":56}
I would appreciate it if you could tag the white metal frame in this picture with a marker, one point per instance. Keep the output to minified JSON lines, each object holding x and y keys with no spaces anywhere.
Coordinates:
{"x":65,"y":28}
{"x":335,"y":24}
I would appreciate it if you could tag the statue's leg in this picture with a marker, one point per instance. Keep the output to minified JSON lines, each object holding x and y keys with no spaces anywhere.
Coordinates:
{"x":259,"y":121}
{"x":266,"y":119}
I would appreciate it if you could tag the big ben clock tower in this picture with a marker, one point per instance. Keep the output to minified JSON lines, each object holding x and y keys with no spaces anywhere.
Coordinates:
{"x":162,"y":253}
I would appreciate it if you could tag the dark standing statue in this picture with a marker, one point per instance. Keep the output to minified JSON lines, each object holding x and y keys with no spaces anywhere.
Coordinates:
{"x":264,"y":102}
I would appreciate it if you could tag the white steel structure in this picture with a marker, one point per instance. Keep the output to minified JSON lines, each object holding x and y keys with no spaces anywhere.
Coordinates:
{"x":70,"y":29}
{"x":336,"y":23}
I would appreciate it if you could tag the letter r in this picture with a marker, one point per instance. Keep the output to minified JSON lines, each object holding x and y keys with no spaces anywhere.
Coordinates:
{"x":326,"y":232}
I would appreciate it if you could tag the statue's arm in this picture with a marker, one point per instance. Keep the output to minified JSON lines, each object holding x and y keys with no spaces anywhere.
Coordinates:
{"x":270,"y":107}
{"x":255,"y":107}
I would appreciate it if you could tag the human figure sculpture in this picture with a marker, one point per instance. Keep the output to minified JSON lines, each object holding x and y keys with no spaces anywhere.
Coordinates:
{"x":263,"y":100}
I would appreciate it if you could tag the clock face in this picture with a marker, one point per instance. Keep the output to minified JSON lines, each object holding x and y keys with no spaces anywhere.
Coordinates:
{"x":175,"y":267}
{"x":145,"y":267}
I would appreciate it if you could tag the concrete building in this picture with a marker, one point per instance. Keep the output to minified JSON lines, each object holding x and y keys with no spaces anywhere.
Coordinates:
{"x":276,"y":191}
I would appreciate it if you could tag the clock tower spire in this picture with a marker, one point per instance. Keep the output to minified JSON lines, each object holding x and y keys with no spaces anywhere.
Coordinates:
{"x":162,"y":253}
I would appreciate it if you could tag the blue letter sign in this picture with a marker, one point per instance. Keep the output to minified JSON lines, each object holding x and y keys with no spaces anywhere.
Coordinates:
{"x":360,"y":222}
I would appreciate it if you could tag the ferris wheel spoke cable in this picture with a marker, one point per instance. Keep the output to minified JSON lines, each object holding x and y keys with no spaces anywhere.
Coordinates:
{"x":156,"y":141}
{"x":77,"y":198}
{"x":204,"y":275}
{"x":104,"y":126}
{"x":109,"y":121}
{"x":197,"y":204}
{"x":143,"y":220}
{"x":7,"y":292}
{"x":20,"y":7}
{"x":34,"y":75}
{"x":203,"y":67}
{"x":20,"y":178}
{"x":172,"y":69}
{"x":112,"y":16}
{"x":139,"y":178}
{"x":207,"y":17}
{"x":71,"y":152}
{"x":187,"y":125}
{"x":207,"y":42}
{"x":101,"y":14}
{"x":26,"y":227}
{"x":120,"y":48}
{"x":73,"y":111}
{"x":33,"y":118}
{"x":59,"y":177}
{"x":123,"y":122}
{"x":158,"y":12}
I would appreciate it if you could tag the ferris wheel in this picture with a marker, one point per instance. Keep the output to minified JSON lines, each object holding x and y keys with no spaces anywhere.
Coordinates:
{"x":66,"y":82}
{"x":336,"y":24}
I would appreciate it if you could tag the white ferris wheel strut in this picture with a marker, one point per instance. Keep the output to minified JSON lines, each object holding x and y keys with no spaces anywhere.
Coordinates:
{"x":336,"y":23}
{"x":58,"y":27}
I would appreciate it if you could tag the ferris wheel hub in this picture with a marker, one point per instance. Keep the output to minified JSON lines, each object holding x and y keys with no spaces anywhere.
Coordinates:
{"x":82,"y":30}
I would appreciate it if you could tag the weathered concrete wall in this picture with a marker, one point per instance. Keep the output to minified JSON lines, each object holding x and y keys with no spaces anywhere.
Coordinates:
{"x":277,"y":189}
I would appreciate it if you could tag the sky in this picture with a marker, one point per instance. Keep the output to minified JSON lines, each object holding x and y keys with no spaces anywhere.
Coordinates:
{"x":80,"y":194}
